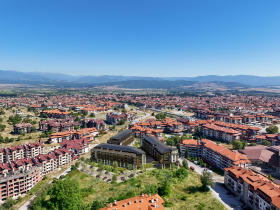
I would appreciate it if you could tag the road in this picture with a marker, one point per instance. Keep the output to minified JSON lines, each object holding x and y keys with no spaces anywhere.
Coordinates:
{"x":141,"y":118}
{"x":229,"y":201}
{"x":27,"y":203}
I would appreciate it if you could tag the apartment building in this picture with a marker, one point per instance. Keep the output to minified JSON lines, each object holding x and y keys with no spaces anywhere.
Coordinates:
{"x":212,"y":153}
{"x":88,"y":133}
{"x":18,"y":178}
{"x":125,"y":156}
{"x":115,"y":117}
{"x":55,"y":159}
{"x":93,"y":123}
{"x":125,"y":138}
{"x":20,"y":152}
{"x":58,"y":125}
{"x":162,"y":153}
{"x":55,"y":113}
{"x":143,"y":201}
{"x":22,"y":128}
{"x":76,"y":146}
{"x":220,"y":133}
{"x":257,"y":191}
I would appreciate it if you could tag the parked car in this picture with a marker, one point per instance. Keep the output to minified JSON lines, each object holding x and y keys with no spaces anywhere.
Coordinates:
{"x":192,"y":168}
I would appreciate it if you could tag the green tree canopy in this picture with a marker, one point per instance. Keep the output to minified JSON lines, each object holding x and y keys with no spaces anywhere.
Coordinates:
{"x":266,"y":143}
{"x":160,"y":116}
{"x":165,"y":189}
{"x":185,"y":164}
{"x":65,"y":194}
{"x":237,"y":144}
{"x":272,"y":129}
{"x":181,"y":173}
{"x":206,"y":179}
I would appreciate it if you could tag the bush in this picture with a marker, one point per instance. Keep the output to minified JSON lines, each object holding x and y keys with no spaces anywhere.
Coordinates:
{"x":181,"y":173}
{"x":153,"y":189}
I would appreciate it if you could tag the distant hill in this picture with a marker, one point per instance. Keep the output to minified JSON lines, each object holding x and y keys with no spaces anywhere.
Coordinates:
{"x":245,"y":79}
{"x":16,"y":77}
{"x":167,"y":84}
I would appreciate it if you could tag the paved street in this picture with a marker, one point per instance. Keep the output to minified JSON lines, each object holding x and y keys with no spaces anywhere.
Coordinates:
{"x":228,"y":200}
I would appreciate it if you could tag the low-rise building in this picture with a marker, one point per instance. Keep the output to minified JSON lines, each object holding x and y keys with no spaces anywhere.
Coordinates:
{"x":149,"y":202}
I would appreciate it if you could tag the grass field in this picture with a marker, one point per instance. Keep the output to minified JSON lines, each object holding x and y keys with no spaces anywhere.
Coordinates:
{"x":28,"y":138}
{"x":186,"y":194}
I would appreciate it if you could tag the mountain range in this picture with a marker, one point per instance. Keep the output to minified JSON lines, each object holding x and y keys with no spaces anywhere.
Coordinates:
{"x":16,"y":77}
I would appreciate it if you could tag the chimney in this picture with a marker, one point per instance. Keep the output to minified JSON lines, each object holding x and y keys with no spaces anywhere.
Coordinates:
{"x":149,"y":194}
{"x":124,"y":205}
{"x":136,"y":201}
{"x":142,"y":194}
{"x":111,"y":204}
{"x":129,"y":202}
{"x":152,"y":200}
{"x":115,"y":202}
{"x":141,"y":200}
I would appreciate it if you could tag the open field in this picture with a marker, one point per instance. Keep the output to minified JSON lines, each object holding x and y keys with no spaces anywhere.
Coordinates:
{"x":29,"y":137}
{"x":185,"y":194}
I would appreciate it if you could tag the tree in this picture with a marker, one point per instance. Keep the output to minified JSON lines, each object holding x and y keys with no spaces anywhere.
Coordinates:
{"x":92,"y":115}
{"x":14,"y":119}
{"x":100,"y":168}
{"x":96,"y":205}
{"x":160,"y":116}
{"x":181,"y":173}
{"x":77,"y":119}
{"x":44,"y":115}
{"x":198,"y":133}
{"x":9,"y":203}
{"x":2,"y":127}
{"x":245,"y":144}
{"x":237,"y":144}
{"x":272,"y":129}
{"x":114,"y":178}
{"x":115,"y":167}
{"x":65,"y":194}
{"x":185,"y":164}
{"x":122,"y":121}
{"x":85,"y":113}
{"x":165,"y":189}
{"x":206,"y":179}
{"x":266,"y":143}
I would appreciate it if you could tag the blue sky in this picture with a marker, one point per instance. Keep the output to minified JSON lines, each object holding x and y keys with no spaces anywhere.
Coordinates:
{"x":141,"y":37}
